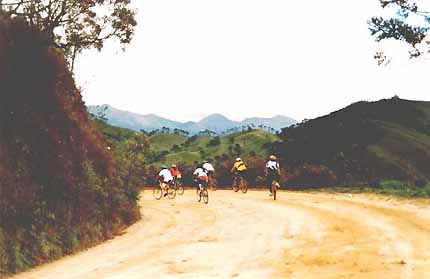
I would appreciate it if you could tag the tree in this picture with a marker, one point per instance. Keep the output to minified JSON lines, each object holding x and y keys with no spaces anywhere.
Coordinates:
{"x":215,"y":141}
{"x":402,"y":25}
{"x":75,"y":25}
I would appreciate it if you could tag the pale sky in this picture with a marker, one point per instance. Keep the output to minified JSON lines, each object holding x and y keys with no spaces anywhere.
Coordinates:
{"x":245,"y":58}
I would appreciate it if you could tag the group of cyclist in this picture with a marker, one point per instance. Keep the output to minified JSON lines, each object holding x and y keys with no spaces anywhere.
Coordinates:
{"x":204,"y":172}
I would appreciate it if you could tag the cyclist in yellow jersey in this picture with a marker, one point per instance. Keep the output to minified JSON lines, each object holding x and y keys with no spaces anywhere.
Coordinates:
{"x":238,"y":169}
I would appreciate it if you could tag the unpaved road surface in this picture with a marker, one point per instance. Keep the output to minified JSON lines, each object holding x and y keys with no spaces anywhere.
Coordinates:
{"x":251,"y":236}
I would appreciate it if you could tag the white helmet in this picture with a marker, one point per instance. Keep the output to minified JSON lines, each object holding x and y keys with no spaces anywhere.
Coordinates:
{"x":238,"y":159}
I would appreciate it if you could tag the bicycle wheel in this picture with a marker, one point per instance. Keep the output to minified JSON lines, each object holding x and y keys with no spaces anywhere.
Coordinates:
{"x":171,"y":193}
{"x":205,"y":195}
{"x":235,"y":185}
{"x":243,"y":185}
{"x":179,"y":188}
{"x":157,"y":193}
{"x":199,"y":195}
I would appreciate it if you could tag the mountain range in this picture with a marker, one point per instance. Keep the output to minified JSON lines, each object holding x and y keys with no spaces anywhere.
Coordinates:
{"x":217,"y":123}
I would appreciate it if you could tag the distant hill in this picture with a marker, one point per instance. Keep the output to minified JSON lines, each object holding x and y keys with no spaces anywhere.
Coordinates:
{"x":215,"y":122}
{"x":197,"y":148}
{"x":134,"y":121}
{"x":187,"y":152}
{"x":364,"y":142}
{"x":360,"y":145}
{"x":171,"y":148}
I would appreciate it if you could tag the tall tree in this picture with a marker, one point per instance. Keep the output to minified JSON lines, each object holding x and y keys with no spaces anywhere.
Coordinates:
{"x":75,"y":25}
{"x":408,"y":22}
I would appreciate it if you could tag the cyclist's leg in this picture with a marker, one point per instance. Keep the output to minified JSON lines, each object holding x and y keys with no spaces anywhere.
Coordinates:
{"x":164,"y":187}
{"x":243,"y":175}
{"x":205,"y":183}
{"x":197,"y":181}
{"x":269,"y":181}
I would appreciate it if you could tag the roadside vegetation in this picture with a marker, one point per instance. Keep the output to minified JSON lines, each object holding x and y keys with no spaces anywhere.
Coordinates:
{"x":393,"y":188}
{"x":61,"y":188}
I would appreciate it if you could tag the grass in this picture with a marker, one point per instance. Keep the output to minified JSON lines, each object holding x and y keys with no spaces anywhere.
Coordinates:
{"x":389,"y":188}
{"x":165,"y":141}
{"x":199,"y":148}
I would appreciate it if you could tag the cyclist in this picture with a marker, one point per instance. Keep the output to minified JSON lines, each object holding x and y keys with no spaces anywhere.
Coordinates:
{"x":176,"y":173}
{"x":200,"y":177}
{"x":272,"y":172}
{"x":210,"y":170}
{"x":165,"y":178}
{"x":238,"y":169}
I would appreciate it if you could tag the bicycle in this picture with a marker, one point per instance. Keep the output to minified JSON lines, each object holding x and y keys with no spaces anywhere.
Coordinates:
{"x":275,"y":186}
{"x":177,"y":184}
{"x":239,"y":183}
{"x":212,"y":183}
{"x":202,"y":192}
{"x":160,"y":191}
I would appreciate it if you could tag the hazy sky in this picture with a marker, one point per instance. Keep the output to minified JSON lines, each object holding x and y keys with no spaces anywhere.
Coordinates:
{"x":247,"y":58}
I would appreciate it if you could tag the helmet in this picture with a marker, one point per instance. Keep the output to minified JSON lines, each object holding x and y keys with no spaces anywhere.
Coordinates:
{"x":163,"y":167}
{"x":205,"y":161}
{"x":238,"y":159}
{"x":173,"y":165}
{"x":272,"y":157}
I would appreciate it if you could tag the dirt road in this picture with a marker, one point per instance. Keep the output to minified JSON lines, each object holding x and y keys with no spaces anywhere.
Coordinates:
{"x":250,"y":236}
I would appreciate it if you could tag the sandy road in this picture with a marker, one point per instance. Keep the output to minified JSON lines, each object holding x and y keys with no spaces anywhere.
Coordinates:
{"x":250,"y":236}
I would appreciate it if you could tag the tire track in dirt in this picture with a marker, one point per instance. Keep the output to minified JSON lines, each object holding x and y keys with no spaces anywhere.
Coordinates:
{"x":251,"y":236}
{"x":400,"y":254}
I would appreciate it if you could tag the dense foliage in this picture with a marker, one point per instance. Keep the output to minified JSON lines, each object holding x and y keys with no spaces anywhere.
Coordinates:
{"x":408,"y":22}
{"x":74,"y":25}
{"x":60,"y":190}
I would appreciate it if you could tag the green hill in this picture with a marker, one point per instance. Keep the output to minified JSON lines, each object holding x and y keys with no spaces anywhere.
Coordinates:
{"x":246,"y":144}
{"x":167,"y":149}
{"x":364,"y":143}
{"x":162,"y":142}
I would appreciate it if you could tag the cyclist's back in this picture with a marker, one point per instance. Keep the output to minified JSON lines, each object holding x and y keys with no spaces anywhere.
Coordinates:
{"x":272,"y":171}
{"x":201,"y":176}
{"x":176,"y":173}
{"x":165,"y":175}
{"x":208,"y":167}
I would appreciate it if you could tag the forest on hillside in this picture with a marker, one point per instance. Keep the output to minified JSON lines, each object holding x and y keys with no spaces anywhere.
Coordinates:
{"x":362,"y":144}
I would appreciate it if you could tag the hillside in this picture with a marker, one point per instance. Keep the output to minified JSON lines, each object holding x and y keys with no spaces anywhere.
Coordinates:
{"x":60,"y":188}
{"x":197,"y":148}
{"x":171,"y":148}
{"x":215,"y":122}
{"x":187,"y":152}
{"x":363,"y":143}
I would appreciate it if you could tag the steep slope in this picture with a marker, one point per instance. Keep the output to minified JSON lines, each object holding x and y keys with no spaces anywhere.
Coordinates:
{"x":59,"y":188}
{"x":367,"y":141}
